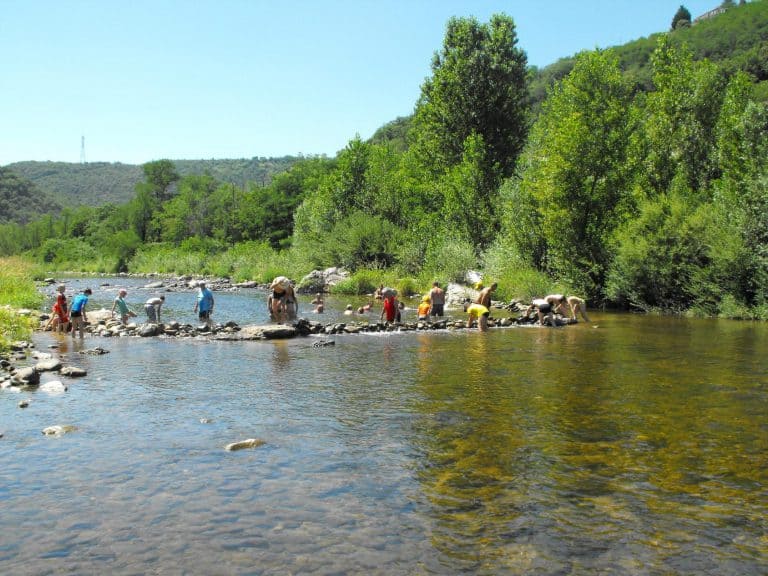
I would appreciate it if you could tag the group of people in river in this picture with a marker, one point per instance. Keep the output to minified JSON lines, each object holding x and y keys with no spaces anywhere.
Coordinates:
{"x":283,"y":305}
{"x":65,"y":317}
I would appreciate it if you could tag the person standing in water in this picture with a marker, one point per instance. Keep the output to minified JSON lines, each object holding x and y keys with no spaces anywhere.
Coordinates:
{"x":60,"y":318}
{"x":122,"y":307}
{"x":77,"y":312}
{"x":204,"y":304}
{"x":437,"y":299}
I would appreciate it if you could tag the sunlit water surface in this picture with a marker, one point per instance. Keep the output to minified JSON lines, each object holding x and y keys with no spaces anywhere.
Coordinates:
{"x":637,"y":445}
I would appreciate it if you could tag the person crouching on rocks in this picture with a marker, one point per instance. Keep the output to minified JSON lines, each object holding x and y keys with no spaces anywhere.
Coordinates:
{"x":60,"y":318}
{"x":152,"y":308}
{"x":424,"y":307}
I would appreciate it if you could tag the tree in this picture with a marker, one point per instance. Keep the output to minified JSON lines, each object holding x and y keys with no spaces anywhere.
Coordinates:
{"x":160,"y":175}
{"x":682,"y":15}
{"x":681,"y":119}
{"x":478,"y":87}
{"x":578,"y":170}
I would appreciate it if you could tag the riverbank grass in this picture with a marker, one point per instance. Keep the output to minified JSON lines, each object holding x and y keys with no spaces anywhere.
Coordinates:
{"x":17,"y":290}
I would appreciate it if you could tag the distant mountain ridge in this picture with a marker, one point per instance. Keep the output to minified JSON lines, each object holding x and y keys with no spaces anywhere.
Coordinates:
{"x":99,"y":183}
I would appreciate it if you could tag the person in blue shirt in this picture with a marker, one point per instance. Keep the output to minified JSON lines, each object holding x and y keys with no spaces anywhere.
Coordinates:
{"x":204,"y":304}
{"x":77,"y":312}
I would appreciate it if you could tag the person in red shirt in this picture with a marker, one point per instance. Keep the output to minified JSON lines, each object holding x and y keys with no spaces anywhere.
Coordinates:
{"x":390,"y":308}
{"x":60,"y":316}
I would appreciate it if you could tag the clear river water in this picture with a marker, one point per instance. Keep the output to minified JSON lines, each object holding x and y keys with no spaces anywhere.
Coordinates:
{"x":636,"y":445}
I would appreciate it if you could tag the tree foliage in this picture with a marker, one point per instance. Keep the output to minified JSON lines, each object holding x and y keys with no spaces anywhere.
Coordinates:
{"x":578,"y":169}
{"x":681,"y":18}
{"x":478,"y":87}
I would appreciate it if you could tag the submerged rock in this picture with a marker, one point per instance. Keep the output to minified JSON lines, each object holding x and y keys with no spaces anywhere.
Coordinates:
{"x":58,"y":430}
{"x":53,"y":387}
{"x":242,"y":444}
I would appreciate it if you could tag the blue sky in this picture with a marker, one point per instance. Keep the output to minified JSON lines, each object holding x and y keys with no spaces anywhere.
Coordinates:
{"x":148,"y":79}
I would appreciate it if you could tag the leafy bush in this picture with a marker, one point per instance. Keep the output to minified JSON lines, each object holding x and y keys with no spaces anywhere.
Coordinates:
{"x":17,"y":290}
{"x":362,"y":281}
{"x":449,"y":256}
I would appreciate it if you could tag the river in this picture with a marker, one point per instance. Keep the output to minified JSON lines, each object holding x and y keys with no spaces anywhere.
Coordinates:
{"x":634,"y":445}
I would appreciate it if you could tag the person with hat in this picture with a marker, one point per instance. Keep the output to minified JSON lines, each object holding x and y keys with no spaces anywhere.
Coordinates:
{"x":122,"y":307}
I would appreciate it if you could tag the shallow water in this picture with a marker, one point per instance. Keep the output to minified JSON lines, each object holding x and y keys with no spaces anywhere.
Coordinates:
{"x":637,"y":445}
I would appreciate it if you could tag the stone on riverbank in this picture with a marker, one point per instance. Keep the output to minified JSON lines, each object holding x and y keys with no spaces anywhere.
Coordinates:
{"x":261,"y":332}
{"x":321,"y":280}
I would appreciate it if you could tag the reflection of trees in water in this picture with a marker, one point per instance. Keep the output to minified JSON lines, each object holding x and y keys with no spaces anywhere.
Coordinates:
{"x":581,"y":447}
{"x":478,"y":463}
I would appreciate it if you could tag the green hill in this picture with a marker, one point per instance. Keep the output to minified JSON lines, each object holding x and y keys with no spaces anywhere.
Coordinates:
{"x":21,"y":201}
{"x":736,"y":39}
{"x":98,"y":183}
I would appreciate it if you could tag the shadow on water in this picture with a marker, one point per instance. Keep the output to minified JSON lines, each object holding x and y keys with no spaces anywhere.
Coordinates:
{"x":635,"y":445}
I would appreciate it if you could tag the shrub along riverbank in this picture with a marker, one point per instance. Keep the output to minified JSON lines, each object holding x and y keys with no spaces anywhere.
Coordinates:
{"x":17,"y":291}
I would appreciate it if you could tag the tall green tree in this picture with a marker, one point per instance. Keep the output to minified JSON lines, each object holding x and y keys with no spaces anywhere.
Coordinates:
{"x":682,"y":15}
{"x":681,"y":117}
{"x":160,"y":176}
{"x":478,"y":87}
{"x":578,"y":169}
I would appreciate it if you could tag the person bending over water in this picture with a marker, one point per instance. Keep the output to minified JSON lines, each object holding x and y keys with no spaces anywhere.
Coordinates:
{"x":477,"y":312}
{"x":153,"y":307}
{"x":543,"y":309}
{"x":578,"y":305}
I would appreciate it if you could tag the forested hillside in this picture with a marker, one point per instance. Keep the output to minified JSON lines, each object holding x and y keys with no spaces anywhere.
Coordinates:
{"x":21,"y":201}
{"x":736,"y":39}
{"x":99,"y":183}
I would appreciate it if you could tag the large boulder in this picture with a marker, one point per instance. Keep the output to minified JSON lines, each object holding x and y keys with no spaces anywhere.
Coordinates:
{"x":147,"y":330}
{"x":50,"y":365}
{"x":26,"y":376}
{"x":98,"y":316}
{"x":456,"y":294}
{"x":321,"y":280}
